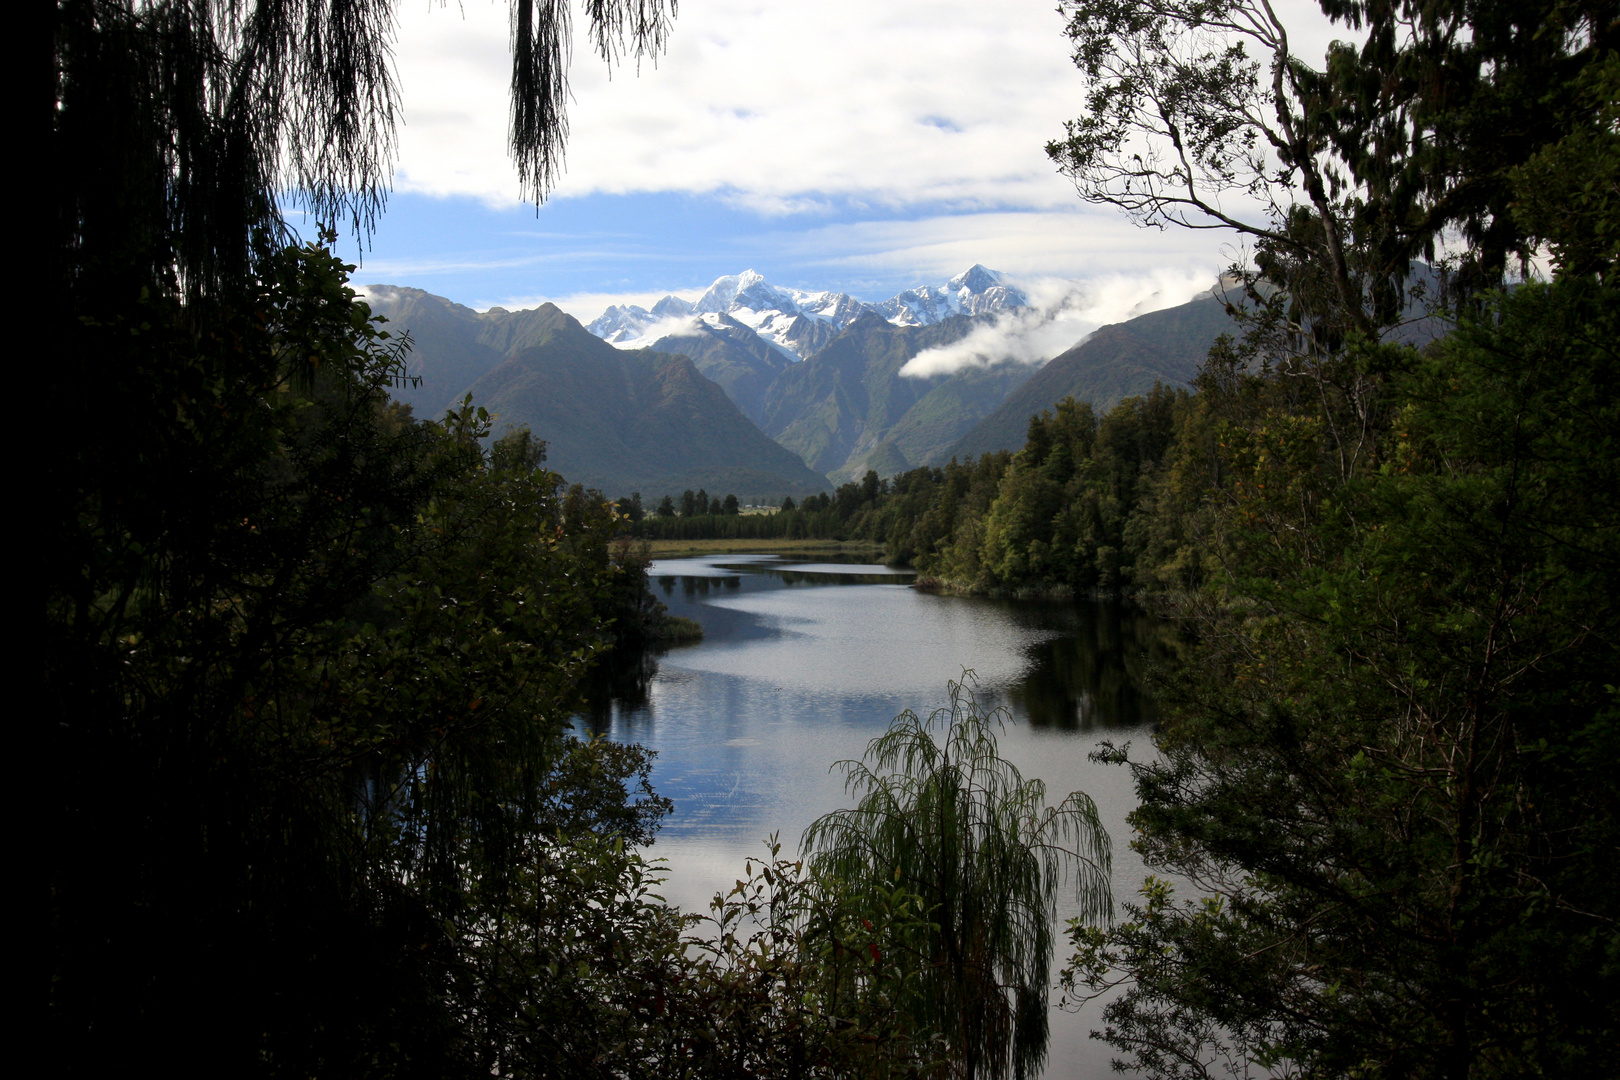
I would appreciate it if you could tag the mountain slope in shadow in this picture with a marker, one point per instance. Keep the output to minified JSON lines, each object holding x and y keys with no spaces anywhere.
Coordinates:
{"x":733,"y":355}
{"x":848,"y":409}
{"x":616,"y":420}
{"x":1115,"y":362}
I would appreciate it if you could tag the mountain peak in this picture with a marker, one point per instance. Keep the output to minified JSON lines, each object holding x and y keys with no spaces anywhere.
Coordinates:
{"x":975,"y":279}
{"x":798,"y":322}
{"x":672,"y":306}
{"x":726,"y":289}
{"x":978,"y":290}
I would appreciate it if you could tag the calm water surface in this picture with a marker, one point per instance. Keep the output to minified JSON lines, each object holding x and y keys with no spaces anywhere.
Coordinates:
{"x":803,"y":663}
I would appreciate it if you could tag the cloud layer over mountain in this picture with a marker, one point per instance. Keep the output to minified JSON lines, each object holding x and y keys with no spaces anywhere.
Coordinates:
{"x":1060,"y":313}
{"x":842,"y":142}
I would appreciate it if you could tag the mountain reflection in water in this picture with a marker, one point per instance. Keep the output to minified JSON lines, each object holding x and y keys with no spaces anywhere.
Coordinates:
{"x":803,"y":662}
{"x":1084,"y":663}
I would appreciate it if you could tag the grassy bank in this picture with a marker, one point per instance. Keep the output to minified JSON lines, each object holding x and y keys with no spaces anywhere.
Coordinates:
{"x":668,"y":549}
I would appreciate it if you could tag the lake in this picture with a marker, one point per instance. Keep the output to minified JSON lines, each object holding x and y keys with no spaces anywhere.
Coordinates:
{"x":803,"y":663}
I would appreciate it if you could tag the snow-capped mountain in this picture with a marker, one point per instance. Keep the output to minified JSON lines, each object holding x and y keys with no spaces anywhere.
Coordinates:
{"x":799,"y":322}
{"x":618,"y":325}
{"x":975,"y":291}
{"x":629,"y":323}
{"x":794,"y":321}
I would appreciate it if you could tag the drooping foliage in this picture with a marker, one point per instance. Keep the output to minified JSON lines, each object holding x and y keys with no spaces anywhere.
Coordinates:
{"x":178,"y":126}
{"x":942,"y":816}
{"x":309,"y":659}
{"x":312,"y":663}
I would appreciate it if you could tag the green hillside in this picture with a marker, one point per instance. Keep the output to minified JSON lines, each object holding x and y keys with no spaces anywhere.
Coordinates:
{"x":848,"y":409}
{"x":448,"y":351}
{"x":614,"y":420}
{"x":638,"y":420}
{"x":843,"y":411}
{"x":1116,"y":362}
{"x":731,"y":354}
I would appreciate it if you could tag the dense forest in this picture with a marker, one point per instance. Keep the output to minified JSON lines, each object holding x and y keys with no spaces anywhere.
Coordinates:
{"x":1080,"y":509}
{"x":310,"y":804}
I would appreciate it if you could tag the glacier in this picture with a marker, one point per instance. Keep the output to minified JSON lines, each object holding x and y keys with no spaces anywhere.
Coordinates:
{"x":797,"y":322}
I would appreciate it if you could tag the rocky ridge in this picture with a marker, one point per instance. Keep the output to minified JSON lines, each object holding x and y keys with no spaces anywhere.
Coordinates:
{"x":798,"y":322}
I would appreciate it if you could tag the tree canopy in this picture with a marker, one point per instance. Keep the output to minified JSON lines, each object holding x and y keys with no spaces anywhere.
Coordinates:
{"x":1342,"y":169}
{"x":307,"y":660}
{"x":310,"y":806}
{"x":179,"y":128}
{"x":1385,"y":779}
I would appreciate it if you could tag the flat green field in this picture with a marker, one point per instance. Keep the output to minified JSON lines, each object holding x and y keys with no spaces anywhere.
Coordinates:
{"x":673,"y":548}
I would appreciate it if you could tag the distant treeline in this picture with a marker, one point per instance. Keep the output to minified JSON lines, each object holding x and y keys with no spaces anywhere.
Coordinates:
{"x":1077,"y":509}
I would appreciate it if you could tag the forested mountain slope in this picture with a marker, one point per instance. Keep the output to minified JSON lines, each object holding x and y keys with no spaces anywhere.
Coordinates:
{"x":848,"y":409}
{"x":844,"y":410}
{"x":618,"y":420}
{"x":733,"y":355}
{"x":452,"y":345}
{"x":1116,"y":362}
{"x":634,"y":420}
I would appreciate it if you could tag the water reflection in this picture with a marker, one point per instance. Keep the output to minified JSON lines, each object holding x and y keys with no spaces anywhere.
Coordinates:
{"x":804,"y":661}
{"x":856,"y":631}
{"x":1092,"y":678}
{"x":621,"y":686}
{"x":694,"y":587}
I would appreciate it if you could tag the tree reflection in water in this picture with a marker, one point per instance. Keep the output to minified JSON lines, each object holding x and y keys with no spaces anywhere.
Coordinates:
{"x":1096,"y":676}
{"x":1088,"y":668}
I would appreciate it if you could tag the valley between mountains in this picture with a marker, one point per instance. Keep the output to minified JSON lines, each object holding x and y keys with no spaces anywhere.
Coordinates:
{"x":767,"y":392}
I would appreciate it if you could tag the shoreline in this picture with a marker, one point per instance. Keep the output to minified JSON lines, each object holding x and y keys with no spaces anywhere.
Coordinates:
{"x":776,"y":546}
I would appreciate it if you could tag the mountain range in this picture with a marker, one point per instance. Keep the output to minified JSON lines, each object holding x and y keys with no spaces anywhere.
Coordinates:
{"x":766,"y":391}
{"x":619,"y":420}
{"x":799,"y":323}
{"x":848,"y":409}
{"x":1112,"y":363}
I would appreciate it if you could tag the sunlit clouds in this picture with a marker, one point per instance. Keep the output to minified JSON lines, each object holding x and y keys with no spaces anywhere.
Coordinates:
{"x":770,"y":105}
{"x":841,"y":144}
{"x":1061,"y":313}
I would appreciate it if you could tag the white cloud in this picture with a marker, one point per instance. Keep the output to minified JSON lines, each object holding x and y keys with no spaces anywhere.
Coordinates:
{"x":375,"y":292}
{"x":1061,"y":314}
{"x":901,"y":102}
{"x":774,"y":105}
{"x":1073,"y":243}
{"x":1063,"y":309}
{"x":673,"y":326}
{"x":802,"y":114}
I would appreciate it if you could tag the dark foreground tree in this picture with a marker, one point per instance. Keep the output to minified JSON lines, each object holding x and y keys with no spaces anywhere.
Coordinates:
{"x":310,"y":695}
{"x":1341,"y":169}
{"x":1391,"y":771}
{"x":1386,"y":780}
{"x":305,"y":660}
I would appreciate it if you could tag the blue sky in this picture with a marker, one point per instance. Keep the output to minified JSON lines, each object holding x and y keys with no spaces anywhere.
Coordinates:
{"x":591,"y":250}
{"x":635,"y":243}
{"x":836,"y":144}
